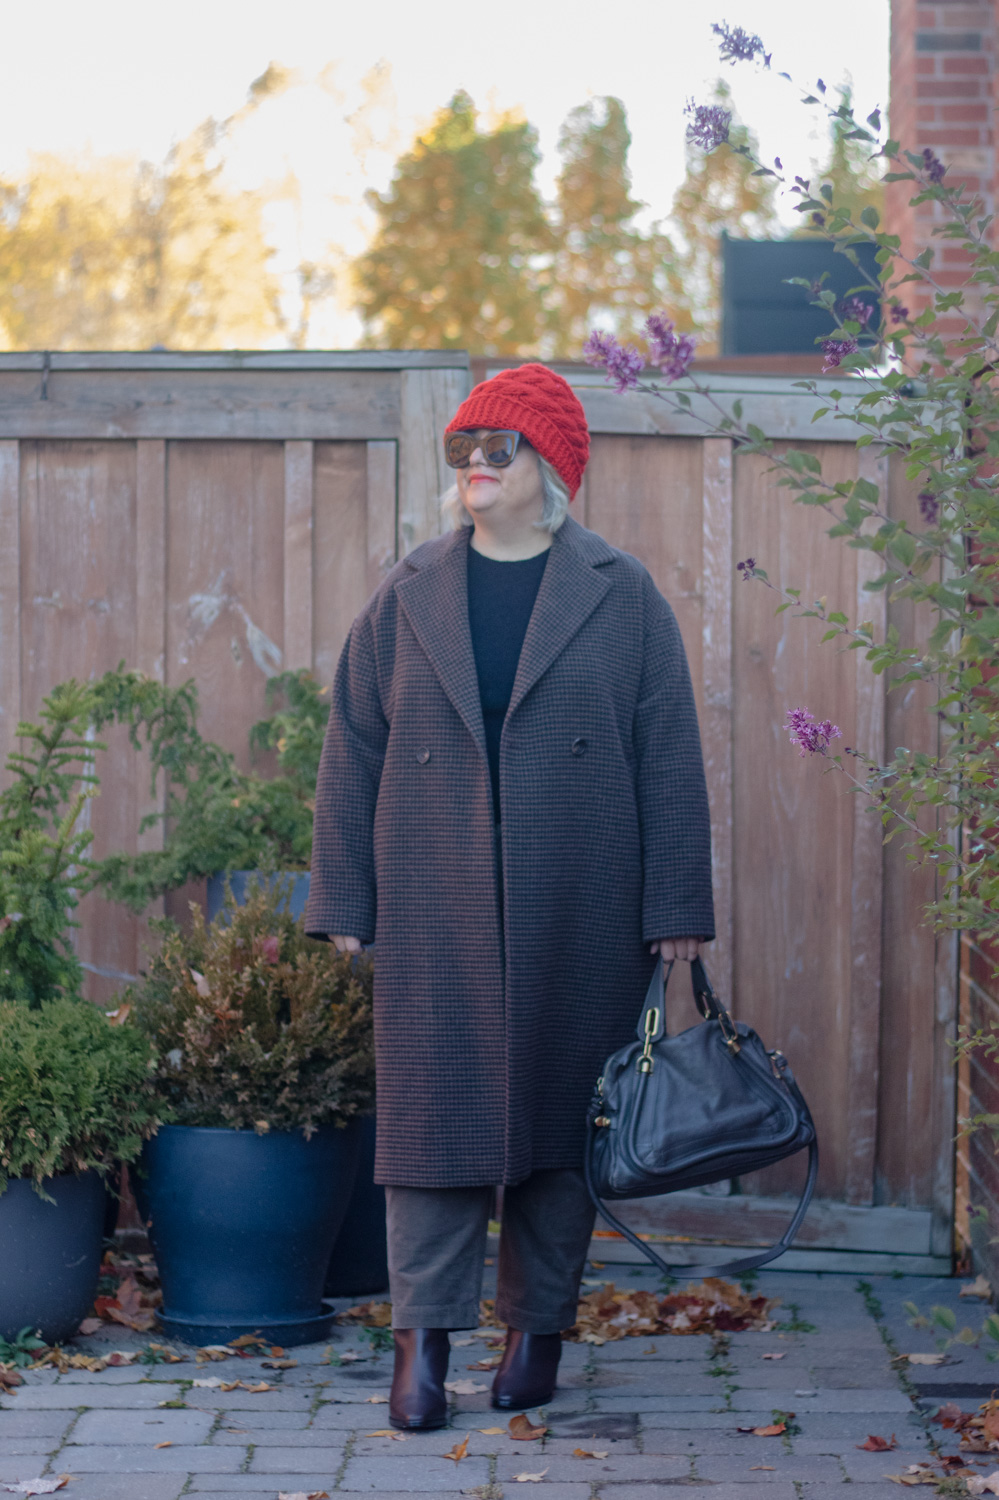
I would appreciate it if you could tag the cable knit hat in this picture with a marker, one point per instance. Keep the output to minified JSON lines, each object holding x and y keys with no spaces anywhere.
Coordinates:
{"x":533,"y":400}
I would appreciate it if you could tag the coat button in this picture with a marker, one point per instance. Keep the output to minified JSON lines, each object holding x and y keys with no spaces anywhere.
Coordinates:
{"x":579,"y":747}
{"x":423,"y":755}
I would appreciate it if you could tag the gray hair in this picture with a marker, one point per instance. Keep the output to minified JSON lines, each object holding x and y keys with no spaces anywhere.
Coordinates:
{"x":554,"y":509}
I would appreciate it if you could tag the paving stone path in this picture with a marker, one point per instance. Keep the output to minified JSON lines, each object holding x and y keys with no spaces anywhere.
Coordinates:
{"x":664,"y":1411}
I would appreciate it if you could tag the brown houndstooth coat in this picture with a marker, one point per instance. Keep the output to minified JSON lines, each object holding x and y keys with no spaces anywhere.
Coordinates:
{"x":487,"y":1050}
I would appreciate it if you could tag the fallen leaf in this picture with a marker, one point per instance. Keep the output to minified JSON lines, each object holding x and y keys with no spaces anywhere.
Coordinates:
{"x":774,"y":1430}
{"x":977,"y":1288}
{"x":530,"y":1478}
{"x":492,"y":1431}
{"x":248,"y":1341}
{"x":522,"y":1429}
{"x":781,"y":1355}
{"x":9,"y":1378}
{"x":485,"y":1364}
{"x":370,"y":1314}
{"x":916,"y":1474}
{"x":459,"y":1450}
{"x":90,"y":1325}
{"x":990,"y":1424}
{"x":376,"y":1401}
{"x":389,"y":1432}
{"x":163,"y":1445}
{"x":237,"y":1430}
{"x":982,"y":1482}
{"x":464,"y":1387}
{"x":586,"y":1453}
{"x":461,"y":1343}
{"x":924,"y":1359}
{"x":120,"y":1016}
{"x":877,"y":1444}
{"x":301,"y":1495}
{"x":279,"y":1364}
{"x":127,"y":1307}
{"x":209,"y":1383}
{"x":762,"y":1469}
{"x":951,"y":1415}
{"x":650,"y":1350}
{"x":37,"y":1486}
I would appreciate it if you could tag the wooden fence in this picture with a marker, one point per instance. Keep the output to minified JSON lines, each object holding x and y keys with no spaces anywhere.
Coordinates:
{"x":223,"y":517}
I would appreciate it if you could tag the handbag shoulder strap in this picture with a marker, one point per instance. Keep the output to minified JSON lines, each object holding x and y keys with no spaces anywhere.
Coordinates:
{"x":732,"y":1267}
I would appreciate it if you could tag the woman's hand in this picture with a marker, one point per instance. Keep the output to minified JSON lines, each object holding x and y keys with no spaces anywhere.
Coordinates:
{"x":346,"y":944}
{"x":684,"y":948}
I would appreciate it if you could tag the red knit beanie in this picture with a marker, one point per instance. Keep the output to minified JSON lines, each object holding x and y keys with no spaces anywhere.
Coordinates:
{"x":533,"y":400}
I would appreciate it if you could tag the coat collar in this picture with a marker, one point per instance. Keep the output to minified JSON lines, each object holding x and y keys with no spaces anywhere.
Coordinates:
{"x":434,"y":596}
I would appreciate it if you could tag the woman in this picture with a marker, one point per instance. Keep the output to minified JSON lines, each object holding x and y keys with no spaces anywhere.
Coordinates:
{"x":511,"y":805}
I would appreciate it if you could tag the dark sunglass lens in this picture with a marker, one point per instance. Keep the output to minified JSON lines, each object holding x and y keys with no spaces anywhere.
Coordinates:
{"x":499,"y":448}
{"x":458,"y":449}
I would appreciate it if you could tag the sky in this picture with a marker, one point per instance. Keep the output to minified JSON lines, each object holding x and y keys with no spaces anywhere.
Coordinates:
{"x":127,"y":77}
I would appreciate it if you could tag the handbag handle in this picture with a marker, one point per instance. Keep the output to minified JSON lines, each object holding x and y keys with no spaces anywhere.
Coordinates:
{"x":732,"y":1267}
{"x":652,"y":1021}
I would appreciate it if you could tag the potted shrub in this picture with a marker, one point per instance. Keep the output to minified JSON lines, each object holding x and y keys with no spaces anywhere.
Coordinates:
{"x":265,"y":1065}
{"x":74,"y":1100}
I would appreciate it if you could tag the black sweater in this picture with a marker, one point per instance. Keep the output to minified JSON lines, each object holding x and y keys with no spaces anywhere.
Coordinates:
{"x":501,"y":597}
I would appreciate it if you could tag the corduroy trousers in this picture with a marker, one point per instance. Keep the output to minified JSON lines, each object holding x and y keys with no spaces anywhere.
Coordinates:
{"x":437,"y":1245}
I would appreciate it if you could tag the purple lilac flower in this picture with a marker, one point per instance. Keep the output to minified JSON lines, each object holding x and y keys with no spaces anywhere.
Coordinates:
{"x":933,"y":166}
{"x":811,"y":736}
{"x":856,"y":310}
{"x":623,"y":363}
{"x":898,"y":312}
{"x":929,"y":507}
{"x":672,"y":352}
{"x":738,"y":45}
{"x":709,"y":124}
{"x":746,"y":568}
{"x":836,"y":349}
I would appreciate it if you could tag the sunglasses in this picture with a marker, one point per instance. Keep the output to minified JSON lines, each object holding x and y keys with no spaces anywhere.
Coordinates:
{"x":498,"y":448}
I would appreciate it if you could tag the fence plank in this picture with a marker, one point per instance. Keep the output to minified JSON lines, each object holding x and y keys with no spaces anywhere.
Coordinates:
{"x":716,"y":725}
{"x":866,"y":883}
{"x":382,"y":511}
{"x":341,"y":547}
{"x":428,"y":400}
{"x":150,"y":638}
{"x":298,"y":511}
{"x":10,"y":598}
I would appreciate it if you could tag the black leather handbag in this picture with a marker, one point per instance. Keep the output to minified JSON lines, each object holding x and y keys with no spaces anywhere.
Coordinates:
{"x":673,"y":1112}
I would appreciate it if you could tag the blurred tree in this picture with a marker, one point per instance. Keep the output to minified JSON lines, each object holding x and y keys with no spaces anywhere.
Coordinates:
{"x":606,"y":270}
{"x":460,"y":253}
{"x":849,"y":170}
{"x":104,"y":253}
{"x":719,"y":193}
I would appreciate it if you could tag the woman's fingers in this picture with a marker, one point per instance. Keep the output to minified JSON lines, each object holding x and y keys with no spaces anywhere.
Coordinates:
{"x":347,"y":944}
{"x":685,"y":949}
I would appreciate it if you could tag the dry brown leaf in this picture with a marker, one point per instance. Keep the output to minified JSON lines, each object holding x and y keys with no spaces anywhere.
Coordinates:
{"x":492,"y":1431}
{"x":369,"y":1314}
{"x":773,"y":1430}
{"x":523,"y":1430}
{"x":301,"y":1495}
{"x":877,"y":1444}
{"x":530,"y":1478}
{"x":376,"y":1401}
{"x":389,"y":1432}
{"x":977,"y":1288}
{"x":924,"y":1359}
{"x":916,"y":1474}
{"x":459,"y":1450}
{"x":781,"y":1355}
{"x":163,"y":1445}
{"x":990,"y":1425}
{"x":9,"y":1378}
{"x":249,"y":1341}
{"x":587,"y":1453}
{"x":713,"y":1306}
{"x":464,"y":1387}
{"x":982,"y":1482}
{"x":279,"y":1364}
{"x":90,"y":1325}
{"x":214,"y":1351}
{"x":120,"y":1016}
{"x":485,"y":1364}
{"x":230,"y":1385}
{"x":37,"y":1486}
{"x":762,"y":1469}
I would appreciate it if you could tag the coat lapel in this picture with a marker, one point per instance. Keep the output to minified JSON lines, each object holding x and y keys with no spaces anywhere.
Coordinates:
{"x":571,"y":588}
{"x":435,"y":601}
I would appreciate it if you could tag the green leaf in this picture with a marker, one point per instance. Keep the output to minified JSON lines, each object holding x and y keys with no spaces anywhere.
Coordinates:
{"x":870,"y":217}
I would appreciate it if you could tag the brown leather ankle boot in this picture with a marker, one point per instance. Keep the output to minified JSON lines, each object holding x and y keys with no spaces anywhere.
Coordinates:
{"x":418,"y":1400}
{"x":528,"y":1369}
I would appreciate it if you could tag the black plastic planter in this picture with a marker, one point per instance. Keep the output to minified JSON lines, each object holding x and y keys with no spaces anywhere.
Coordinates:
{"x":359,"y":1264}
{"x":243,"y":1226}
{"x":50,"y":1255}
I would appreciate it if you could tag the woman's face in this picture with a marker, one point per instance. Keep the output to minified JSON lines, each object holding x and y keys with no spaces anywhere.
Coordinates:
{"x":508,"y":496}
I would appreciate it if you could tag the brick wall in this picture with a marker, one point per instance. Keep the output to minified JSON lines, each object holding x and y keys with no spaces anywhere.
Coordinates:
{"x":944,"y":95}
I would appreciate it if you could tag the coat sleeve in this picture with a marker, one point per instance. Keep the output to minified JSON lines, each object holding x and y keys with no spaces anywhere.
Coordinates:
{"x":672,"y":794}
{"x":342,"y":895}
